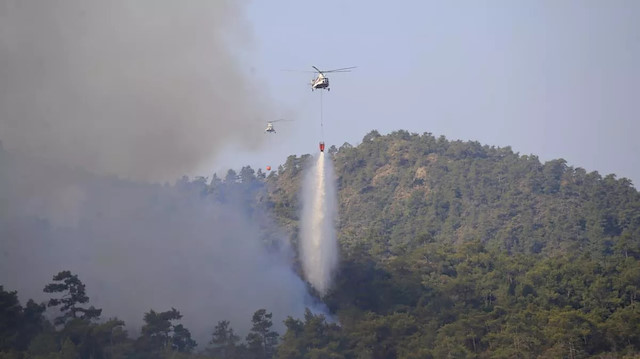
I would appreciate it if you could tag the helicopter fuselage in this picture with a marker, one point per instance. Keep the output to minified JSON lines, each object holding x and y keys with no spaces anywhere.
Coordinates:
{"x":320,"y":82}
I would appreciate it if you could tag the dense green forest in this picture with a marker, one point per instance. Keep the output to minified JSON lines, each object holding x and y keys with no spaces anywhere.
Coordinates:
{"x":449,"y":249}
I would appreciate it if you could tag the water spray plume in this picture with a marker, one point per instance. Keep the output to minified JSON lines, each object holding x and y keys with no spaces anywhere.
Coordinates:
{"x":319,"y":247}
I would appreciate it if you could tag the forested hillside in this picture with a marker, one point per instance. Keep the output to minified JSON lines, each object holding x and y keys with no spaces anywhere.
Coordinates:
{"x":449,"y":249}
{"x":455,"y":249}
{"x":400,"y":191}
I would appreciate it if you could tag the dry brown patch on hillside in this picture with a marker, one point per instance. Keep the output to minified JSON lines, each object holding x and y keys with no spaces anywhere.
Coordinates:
{"x":421,"y":174}
{"x":382,"y":172}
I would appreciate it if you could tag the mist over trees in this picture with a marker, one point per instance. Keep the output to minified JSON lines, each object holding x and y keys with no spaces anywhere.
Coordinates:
{"x":138,"y":246}
{"x":448,"y":249}
{"x":26,"y":332}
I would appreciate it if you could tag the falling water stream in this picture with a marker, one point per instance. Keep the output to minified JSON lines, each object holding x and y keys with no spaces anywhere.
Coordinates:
{"x":319,"y":247}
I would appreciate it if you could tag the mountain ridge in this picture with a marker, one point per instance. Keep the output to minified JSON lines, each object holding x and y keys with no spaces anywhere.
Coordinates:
{"x":455,"y":188}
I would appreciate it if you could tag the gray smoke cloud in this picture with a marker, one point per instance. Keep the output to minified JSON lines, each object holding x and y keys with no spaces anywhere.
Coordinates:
{"x":141,"y":246}
{"x":95,"y":92}
{"x":143,"y":89}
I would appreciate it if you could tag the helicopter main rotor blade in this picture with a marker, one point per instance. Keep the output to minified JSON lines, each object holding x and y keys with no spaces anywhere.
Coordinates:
{"x":282,"y":119}
{"x":317,"y":70}
{"x":344,"y":69}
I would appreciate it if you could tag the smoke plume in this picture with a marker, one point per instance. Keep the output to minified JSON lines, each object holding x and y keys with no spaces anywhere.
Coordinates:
{"x":146,"y":89}
{"x":96,"y":92}
{"x":319,"y":247}
{"x":141,"y":246}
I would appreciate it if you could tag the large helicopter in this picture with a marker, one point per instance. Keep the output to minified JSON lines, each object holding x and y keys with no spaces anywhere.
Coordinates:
{"x":270,"y":127}
{"x":322,"y":81}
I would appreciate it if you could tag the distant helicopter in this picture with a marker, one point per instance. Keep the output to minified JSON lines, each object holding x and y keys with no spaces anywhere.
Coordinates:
{"x":270,"y":127}
{"x":321,"y":81}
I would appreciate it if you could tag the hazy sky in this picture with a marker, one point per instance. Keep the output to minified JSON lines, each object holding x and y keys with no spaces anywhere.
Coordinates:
{"x":156,"y":89}
{"x":559,"y":79}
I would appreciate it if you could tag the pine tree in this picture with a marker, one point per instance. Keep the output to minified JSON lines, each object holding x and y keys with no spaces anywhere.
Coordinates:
{"x":73,"y":295}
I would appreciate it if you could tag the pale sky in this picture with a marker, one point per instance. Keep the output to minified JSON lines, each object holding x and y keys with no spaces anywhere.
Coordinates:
{"x":558,"y":79}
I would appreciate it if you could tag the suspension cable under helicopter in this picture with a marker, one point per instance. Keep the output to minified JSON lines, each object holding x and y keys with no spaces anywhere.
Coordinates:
{"x":321,"y":119}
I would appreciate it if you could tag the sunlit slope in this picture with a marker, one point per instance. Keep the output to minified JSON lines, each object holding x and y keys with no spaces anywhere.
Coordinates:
{"x":402,"y":190}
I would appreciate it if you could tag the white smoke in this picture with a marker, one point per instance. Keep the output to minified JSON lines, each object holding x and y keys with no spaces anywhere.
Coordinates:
{"x":319,"y":247}
{"x":140,"y":246}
